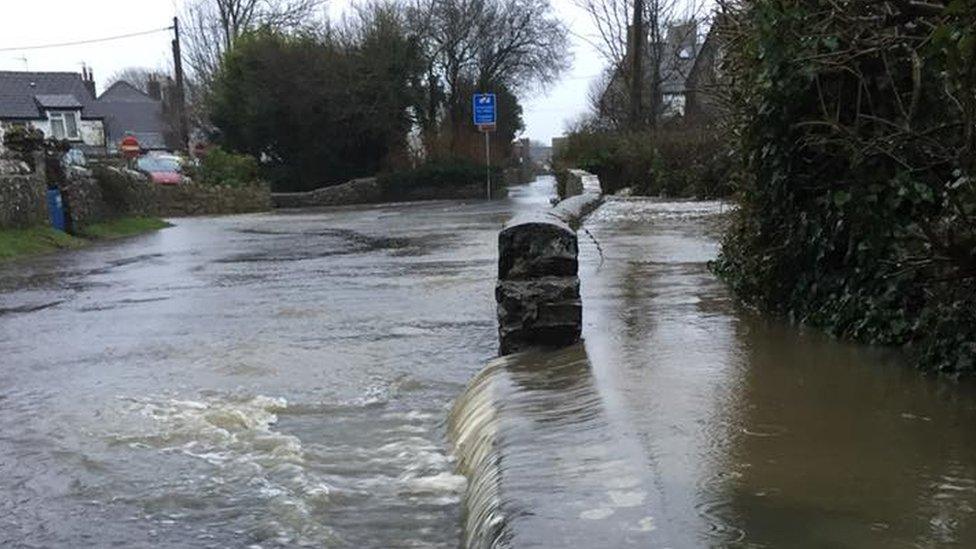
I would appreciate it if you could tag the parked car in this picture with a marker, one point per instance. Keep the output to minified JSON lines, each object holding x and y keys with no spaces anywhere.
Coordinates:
{"x":163,"y":169}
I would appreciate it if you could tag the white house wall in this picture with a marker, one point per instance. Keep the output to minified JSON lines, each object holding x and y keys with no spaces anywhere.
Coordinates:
{"x":92,"y":131}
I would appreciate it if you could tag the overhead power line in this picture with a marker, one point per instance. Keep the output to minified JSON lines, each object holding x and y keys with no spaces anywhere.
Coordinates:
{"x":89,"y":41}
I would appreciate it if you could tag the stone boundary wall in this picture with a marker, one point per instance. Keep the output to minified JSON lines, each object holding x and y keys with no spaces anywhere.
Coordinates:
{"x":94,"y":196}
{"x":369,"y":190}
{"x":358,"y":191}
{"x":104,"y":193}
{"x":192,"y":199}
{"x":537,"y":294}
{"x":23,"y":200}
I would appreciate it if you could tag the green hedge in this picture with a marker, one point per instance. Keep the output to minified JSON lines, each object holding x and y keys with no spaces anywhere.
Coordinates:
{"x":437,"y":175}
{"x":679,"y":161}
{"x":856,"y":177}
{"x":219,"y":167}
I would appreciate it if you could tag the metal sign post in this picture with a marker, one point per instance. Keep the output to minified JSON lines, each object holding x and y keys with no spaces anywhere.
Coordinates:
{"x":488,"y":164}
{"x":483,"y":109}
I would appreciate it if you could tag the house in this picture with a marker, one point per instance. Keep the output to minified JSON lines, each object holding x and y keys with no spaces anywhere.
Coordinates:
{"x":704,"y":79}
{"x":127,"y":110}
{"x":60,"y":104}
{"x":667,"y":65}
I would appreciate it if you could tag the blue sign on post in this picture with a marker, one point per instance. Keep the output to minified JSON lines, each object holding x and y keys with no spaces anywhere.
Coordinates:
{"x":484,"y":109}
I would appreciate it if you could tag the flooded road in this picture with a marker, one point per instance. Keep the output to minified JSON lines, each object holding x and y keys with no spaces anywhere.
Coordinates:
{"x":298,"y":379}
{"x":267,"y":380}
{"x":684,"y":421}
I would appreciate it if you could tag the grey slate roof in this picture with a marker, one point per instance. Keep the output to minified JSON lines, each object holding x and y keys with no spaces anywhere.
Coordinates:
{"x":19,"y":89}
{"x":126,"y":110}
{"x":124,"y":91}
{"x":57,"y":101}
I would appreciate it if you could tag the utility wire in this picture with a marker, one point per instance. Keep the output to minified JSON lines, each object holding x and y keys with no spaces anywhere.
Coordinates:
{"x":89,"y":41}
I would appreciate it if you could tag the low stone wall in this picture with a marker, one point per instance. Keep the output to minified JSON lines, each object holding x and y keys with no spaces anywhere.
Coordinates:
{"x":94,"y":196}
{"x":103,"y":193}
{"x":369,"y":190}
{"x":357,"y":191}
{"x":189,"y":200}
{"x":22,"y":201}
{"x":538,"y":285}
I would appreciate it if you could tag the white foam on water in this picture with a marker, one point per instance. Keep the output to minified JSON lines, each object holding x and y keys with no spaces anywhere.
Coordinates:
{"x":236,"y":436}
{"x":289,"y":486}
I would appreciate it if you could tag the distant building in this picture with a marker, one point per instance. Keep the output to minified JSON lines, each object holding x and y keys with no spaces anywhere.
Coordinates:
{"x":703,"y":79}
{"x":60,"y":104}
{"x":127,"y":110}
{"x":558,"y":146}
{"x":674,"y":59}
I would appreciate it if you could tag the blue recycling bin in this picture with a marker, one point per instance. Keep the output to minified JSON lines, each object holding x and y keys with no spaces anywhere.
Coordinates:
{"x":55,"y":209}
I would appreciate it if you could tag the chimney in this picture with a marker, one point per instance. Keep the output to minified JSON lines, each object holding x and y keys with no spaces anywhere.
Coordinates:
{"x":154,"y":88}
{"x":88,"y":79}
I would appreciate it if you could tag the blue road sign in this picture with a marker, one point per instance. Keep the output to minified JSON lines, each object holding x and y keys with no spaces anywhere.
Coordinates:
{"x":484,"y":108}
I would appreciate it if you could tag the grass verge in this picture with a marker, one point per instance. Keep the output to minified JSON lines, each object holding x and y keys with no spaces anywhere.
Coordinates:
{"x":36,"y":240}
{"x":126,"y":226}
{"x":16,"y":243}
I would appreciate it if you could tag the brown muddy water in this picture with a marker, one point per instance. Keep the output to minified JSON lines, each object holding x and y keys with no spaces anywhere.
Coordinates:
{"x":299,"y":379}
{"x":683,"y":421}
{"x":272,"y":380}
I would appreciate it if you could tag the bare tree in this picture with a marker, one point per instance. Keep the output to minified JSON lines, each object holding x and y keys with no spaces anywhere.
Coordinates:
{"x":666,"y":25}
{"x":515,"y":44}
{"x":138,"y":77}
{"x":212,"y":26}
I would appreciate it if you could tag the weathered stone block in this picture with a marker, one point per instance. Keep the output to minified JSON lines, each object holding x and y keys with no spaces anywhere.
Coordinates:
{"x":531,"y":247}
{"x":539,"y":312}
{"x":22,"y":201}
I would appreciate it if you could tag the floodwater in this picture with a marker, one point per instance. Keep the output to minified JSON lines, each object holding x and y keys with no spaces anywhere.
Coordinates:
{"x":684,"y":421}
{"x":300,"y":379}
{"x":262,"y":380}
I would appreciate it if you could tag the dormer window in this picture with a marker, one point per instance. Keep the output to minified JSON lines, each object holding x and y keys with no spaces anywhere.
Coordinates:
{"x":64,"y":125}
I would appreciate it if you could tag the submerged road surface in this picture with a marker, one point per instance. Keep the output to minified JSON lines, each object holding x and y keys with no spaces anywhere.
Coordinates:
{"x":685,"y":421}
{"x":268,"y":380}
{"x":287,"y":380}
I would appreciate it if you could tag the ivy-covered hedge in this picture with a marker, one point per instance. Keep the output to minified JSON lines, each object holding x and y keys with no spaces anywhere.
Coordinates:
{"x":686,"y":161}
{"x":439,"y":175}
{"x":219,"y":167}
{"x":858,"y":147}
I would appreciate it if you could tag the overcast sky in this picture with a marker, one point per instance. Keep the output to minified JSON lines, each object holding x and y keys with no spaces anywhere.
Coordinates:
{"x":35,"y":22}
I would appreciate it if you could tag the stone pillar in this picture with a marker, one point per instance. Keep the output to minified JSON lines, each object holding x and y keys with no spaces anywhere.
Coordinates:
{"x":538,"y":287}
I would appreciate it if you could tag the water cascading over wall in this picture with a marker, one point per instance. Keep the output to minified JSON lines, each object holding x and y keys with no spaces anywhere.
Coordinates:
{"x":538,"y":298}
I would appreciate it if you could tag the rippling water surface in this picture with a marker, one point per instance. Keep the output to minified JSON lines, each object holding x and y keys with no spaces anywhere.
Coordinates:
{"x":300,"y":379}
{"x":268,"y":380}
{"x":684,"y":421}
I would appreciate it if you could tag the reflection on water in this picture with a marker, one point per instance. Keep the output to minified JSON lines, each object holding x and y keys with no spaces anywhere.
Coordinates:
{"x":684,"y":421}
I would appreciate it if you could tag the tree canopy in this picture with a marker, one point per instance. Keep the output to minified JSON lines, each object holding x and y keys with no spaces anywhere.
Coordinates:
{"x":318,"y":109}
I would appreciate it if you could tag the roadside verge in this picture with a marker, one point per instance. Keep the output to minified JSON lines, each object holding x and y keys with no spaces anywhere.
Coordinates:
{"x":20,"y":243}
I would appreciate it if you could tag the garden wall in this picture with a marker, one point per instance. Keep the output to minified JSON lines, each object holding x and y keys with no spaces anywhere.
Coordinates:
{"x":187,"y":200}
{"x":369,"y":190}
{"x":22,"y":198}
{"x":94,"y":196}
{"x":103,"y":193}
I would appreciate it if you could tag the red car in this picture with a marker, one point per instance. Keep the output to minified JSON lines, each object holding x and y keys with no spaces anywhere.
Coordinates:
{"x":165,"y":170}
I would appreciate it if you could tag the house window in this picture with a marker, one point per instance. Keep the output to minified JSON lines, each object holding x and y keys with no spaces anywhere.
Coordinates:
{"x":64,"y":124}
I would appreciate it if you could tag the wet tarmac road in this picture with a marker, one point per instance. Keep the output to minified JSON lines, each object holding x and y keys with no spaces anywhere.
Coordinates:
{"x":271,"y":380}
